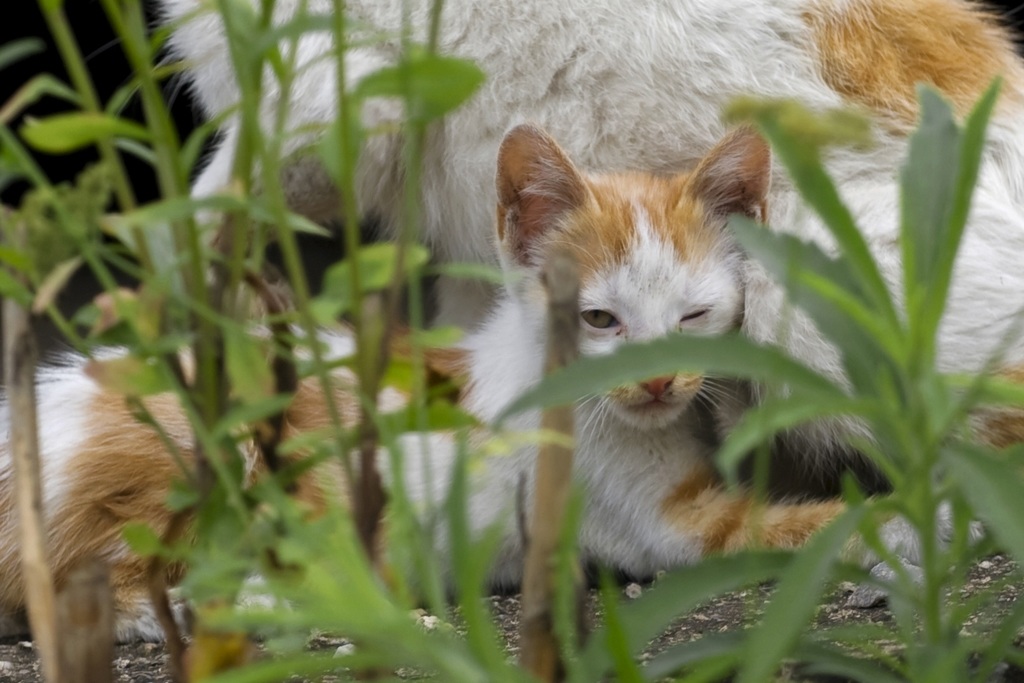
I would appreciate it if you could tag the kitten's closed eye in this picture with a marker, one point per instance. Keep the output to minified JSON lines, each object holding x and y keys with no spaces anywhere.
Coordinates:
{"x":599,"y":319}
{"x":694,"y":315}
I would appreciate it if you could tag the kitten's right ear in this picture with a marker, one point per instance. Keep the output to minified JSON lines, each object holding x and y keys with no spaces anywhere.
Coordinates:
{"x":537,"y":187}
{"x":735,"y":176}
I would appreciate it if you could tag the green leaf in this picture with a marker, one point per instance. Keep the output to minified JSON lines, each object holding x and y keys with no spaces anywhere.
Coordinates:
{"x":182,"y":496}
{"x":471,"y":562}
{"x":12,"y":288}
{"x":130,"y":375}
{"x":469,"y":271}
{"x":795,"y":599}
{"x":376,"y":264}
{"x":248,"y":366}
{"x":249,"y":411}
{"x":440,"y":415}
{"x":142,"y":539}
{"x":829,"y":661}
{"x":830,"y":292}
{"x":972,"y":147}
{"x":773,"y":415}
{"x":432,"y":85}
{"x":617,"y":640}
{"x":992,"y":484}
{"x":340,"y":156}
{"x":62,"y":133}
{"x":15,"y":258}
{"x":714,"y":646}
{"x":16,"y":50}
{"x":443,"y":336}
{"x":34,"y":90}
{"x":928,"y":180}
{"x":728,"y":356}
{"x":54,"y":283}
{"x":674,"y":595}
{"x":181,"y":208}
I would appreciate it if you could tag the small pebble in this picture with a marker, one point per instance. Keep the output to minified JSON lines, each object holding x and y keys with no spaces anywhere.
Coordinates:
{"x":345,"y":650}
{"x":429,"y":622}
{"x":985,"y":564}
{"x":26,"y":644}
{"x":633,"y":591}
{"x":6,"y":667}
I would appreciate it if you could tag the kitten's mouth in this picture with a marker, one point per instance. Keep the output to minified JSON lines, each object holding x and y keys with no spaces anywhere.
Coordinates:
{"x":652,"y":413}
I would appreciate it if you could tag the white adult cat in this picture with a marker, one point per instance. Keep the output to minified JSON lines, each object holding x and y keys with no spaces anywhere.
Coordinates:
{"x":640,"y":84}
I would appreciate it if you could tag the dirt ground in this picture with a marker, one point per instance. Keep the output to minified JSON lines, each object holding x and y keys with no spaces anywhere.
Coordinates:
{"x":145,"y":662}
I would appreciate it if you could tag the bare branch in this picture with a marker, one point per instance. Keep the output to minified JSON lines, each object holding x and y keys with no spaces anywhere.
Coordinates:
{"x":20,"y":357}
{"x":541,"y":651}
{"x":86,"y":610}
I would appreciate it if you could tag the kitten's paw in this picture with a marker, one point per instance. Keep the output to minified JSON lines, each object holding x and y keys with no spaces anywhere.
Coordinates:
{"x":868,"y":595}
{"x":903,"y":540}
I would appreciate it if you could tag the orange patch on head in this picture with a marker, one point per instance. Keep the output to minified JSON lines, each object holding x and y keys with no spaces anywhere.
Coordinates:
{"x":874,"y":52}
{"x":602,"y":233}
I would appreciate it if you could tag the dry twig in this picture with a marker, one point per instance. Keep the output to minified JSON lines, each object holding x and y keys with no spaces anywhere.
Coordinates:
{"x":86,"y":611}
{"x":20,"y":357}
{"x":541,"y":651}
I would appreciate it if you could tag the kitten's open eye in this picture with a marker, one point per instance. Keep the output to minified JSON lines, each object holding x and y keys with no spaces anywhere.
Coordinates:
{"x":602,"y":320}
{"x":694,"y":315}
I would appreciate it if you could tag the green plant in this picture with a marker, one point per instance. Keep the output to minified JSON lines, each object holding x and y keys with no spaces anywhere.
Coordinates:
{"x":195,"y":297}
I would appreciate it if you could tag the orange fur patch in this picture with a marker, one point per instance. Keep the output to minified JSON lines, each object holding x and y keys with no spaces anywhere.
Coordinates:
{"x":123,"y":473}
{"x":873,"y":52}
{"x":1001,"y":427}
{"x":728,"y":521}
{"x":601,"y":233}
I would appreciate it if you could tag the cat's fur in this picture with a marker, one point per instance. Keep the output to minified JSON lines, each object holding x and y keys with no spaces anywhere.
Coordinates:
{"x":654,"y":254}
{"x":640,"y":84}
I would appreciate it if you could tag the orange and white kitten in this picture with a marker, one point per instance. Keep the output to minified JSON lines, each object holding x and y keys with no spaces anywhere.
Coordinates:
{"x":656,"y":259}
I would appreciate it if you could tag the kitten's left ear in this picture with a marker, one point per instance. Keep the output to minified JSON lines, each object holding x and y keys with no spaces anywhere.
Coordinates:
{"x":537,"y":187}
{"x":735,"y":176}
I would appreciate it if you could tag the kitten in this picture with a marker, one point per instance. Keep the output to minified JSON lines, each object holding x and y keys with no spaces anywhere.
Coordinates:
{"x":627,"y":84}
{"x":656,"y":259}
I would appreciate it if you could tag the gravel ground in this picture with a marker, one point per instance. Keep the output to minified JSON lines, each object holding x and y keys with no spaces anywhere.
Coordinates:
{"x":144,"y":662}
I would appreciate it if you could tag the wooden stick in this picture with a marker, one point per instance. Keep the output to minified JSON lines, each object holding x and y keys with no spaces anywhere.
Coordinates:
{"x":86,"y":612}
{"x":541,"y":650}
{"x":20,"y":353}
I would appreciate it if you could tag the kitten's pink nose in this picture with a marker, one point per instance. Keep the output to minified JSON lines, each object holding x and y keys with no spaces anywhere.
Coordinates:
{"x":658,"y":386}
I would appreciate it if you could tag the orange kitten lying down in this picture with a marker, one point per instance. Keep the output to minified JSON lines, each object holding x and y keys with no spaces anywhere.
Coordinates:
{"x":656,"y":259}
